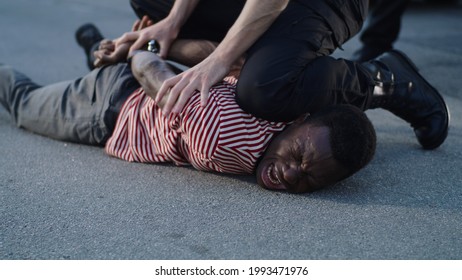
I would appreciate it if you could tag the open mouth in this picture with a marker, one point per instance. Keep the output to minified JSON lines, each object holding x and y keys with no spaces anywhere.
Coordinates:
{"x":271,"y":179}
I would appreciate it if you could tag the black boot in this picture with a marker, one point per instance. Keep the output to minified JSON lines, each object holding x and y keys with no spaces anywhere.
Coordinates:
{"x":400,"y":89}
{"x":366,"y":53}
{"x":88,"y":37}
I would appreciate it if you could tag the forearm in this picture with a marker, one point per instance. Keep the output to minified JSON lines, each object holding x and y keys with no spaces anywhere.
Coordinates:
{"x":180,"y":12}
{"x":255,"y":18}
{"x":150,"y":71}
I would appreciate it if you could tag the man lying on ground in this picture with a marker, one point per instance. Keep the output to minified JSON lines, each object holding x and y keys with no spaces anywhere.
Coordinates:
{"x":108,"y":107}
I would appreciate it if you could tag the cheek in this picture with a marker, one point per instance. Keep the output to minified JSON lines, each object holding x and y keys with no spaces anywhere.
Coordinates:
{"x":330,"y":175}
{"x":325,"y":173}
{"x":309,"y":185}
{"x":258,"y":172}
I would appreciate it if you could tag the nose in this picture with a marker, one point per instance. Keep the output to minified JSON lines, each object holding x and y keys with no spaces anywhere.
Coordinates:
{"x":291,"y":174}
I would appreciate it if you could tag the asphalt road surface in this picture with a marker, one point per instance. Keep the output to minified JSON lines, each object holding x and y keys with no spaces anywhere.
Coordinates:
{"x":66,"y":201}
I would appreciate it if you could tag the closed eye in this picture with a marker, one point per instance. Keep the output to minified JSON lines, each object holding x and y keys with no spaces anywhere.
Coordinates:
{"x":297,"y":152}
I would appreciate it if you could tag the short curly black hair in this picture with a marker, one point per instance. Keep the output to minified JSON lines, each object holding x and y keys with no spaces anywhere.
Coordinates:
{"x":352,"y":135}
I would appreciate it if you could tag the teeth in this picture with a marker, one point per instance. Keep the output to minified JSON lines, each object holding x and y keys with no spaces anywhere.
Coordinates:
{"x":277,"y":177}
{"x":273,"y":180}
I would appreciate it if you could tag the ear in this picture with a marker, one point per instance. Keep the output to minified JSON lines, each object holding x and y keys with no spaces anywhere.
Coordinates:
{"x":302,"y":118}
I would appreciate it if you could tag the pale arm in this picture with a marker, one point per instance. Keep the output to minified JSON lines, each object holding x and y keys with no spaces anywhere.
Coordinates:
{"x":164,"y":31}
{"x":254,"y":20}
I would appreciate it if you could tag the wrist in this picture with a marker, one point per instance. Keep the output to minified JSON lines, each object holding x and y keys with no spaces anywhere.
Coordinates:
{"x":174,"y":23}
{"x":131,"y":55}
{"x":223,"y":57}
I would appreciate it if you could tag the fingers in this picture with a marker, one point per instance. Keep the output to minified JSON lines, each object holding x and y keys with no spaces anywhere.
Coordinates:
{"x":180,"y":90}
{"x":175,"y":92}
{"x":165,"y":88}
{"x":107,"y":45}
{"x":127,"y":37}
{"x":145,"y":22}
{"x":204,"y":95}
{"x":178,"y":97}
{"x":106,"y":56}
{"x":141,"y":38}
{"x":139,"y":43}
{"x":101,"y":59}
{"x":136,"y":25}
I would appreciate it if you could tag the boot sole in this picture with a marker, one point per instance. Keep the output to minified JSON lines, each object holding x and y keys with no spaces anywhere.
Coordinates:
{"x":442,"y":137}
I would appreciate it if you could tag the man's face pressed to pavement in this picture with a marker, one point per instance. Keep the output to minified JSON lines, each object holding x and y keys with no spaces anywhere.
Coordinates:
{"x":299,"y":160}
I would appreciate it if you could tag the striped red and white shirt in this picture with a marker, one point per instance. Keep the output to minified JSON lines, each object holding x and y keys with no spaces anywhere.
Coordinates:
{"x":219,"y":137}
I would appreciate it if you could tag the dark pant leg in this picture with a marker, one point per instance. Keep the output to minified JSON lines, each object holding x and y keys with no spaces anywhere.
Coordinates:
{"x":288,"y":71}
{"x":155,"y":10}
{"x":84,"y":110}
{"x":210,"y":20}
{"x":384,"y":23}
{"x":322,"y":82}
{"x":329,"y":81}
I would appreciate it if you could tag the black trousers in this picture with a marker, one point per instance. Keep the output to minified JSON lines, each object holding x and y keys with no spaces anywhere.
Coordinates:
{"x":288,"y":71}
{"x":384,"y":23}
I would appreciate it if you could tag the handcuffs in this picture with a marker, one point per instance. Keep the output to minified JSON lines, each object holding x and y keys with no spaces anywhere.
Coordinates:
{"x":153,"y":47}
